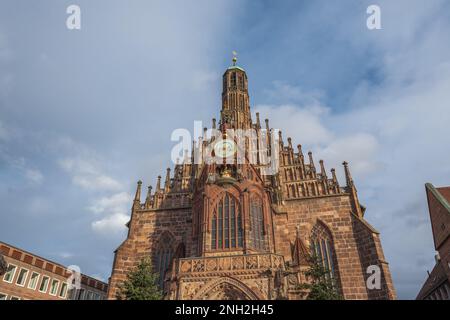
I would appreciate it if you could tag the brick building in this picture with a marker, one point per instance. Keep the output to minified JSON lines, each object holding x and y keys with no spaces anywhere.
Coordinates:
{"x":30,"y":277}
{"x":233,"y":229}
{"x":437,"y":285}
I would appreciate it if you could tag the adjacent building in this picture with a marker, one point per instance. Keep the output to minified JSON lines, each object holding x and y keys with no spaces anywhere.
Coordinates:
{"x":244,"y":227}
{"x":31,"y":277}
{"x":437,"y":285}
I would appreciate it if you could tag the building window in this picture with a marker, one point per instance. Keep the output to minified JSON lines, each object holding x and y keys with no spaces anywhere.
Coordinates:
{"x":233,"y":79}
{"x":32,"y":283}
{"x":22,"y":277}
{"x":322,"y":248}
{"x":88,"y":295}
{"x":9,"y":275}
{"x":241,"y":82}
{"x":3,"y":296}
{"x":164,"y":257}
{"x":63,"y":290}
{"x":214,"y":230}
{"x":44,"y":284}
{"x":54,"y":287}
{"x":257,"y":224}
{"x":81,"y":294}
{"x":226,"y":224}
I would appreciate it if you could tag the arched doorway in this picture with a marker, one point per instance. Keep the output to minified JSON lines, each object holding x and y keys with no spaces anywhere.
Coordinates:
{"x":226,"y":289}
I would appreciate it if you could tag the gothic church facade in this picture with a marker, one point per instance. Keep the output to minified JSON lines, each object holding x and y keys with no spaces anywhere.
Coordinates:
{"x":228,"y":231}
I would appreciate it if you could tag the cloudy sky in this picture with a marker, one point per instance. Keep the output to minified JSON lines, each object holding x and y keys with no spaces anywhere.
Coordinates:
{"x":86,"y":113}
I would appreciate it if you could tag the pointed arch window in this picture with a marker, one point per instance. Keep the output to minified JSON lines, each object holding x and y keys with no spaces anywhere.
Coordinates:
{"x":226,"y":224}
{"x":322,"y":248}
{"x":257,"y":224}
{"x":164,"y":256}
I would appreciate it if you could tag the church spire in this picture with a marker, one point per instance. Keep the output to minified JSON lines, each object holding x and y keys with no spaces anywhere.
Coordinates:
{"x":235,"y":99}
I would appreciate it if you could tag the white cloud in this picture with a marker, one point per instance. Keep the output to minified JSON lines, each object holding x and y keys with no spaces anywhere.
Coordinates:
{"x":34,"y":176}
{"x":66,"y":255}
{"x":19,"y":163}
{"x":111,"y":224}
{"x":96,"y":182}
{"x":310,"y":127}
{"x":303,"y":123}
{"x":85,"y":174}
{"x":283,"y":91}
{"x":361,"y":148}
{"x":113,"y":213}
{"x":117,"y":202}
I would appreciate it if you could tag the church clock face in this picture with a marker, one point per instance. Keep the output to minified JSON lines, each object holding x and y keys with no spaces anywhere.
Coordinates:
{"x":225,"y":148}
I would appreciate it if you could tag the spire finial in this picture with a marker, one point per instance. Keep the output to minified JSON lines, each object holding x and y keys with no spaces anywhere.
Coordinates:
{"x":258,"y":122}
{"x":158,"y":184}
{"x":322,"y":170}
{"x":348,"y":176}
{"x":333,"y":173}
{"x":311,"y":162}
{"x":234,"y":57}
{"x":137,"y":196}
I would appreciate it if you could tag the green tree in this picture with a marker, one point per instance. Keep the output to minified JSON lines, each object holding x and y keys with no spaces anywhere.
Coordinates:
{"x":141,"y":284}
{"x":321,"y":286}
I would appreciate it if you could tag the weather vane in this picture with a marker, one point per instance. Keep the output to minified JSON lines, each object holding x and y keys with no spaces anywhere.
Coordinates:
{"x":234,"y":57}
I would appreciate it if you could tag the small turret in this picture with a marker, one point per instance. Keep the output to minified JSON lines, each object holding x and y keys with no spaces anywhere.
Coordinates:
{"x":137,"y":196}
{"x":280,"y":138}
{"x":323,"y":173}
{"x":167,"y":183}
{"x":333,"y":175}
{"x":348,"y":176}
{"x":352,"y":190}
{"x":289,"y":139}
{"x":148,"y":198}
{"x":158,"y":184}
{"x":258,"y":122}
{"x":311,"y":163}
